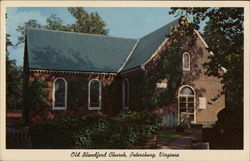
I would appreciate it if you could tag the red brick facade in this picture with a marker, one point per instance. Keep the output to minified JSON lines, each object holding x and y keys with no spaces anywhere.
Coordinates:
{"x":206,"y":86}
{"x":203,"y":85}
{"x":50,"y":114}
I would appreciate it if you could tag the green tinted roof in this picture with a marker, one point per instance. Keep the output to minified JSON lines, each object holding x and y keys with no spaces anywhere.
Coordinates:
{"x":57,"y":50}
{"x":148,"y":45}
{"x":73,"y":51}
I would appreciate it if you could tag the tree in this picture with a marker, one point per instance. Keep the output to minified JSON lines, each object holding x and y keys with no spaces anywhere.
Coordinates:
{"x":224,"y":34}
{"x":56,"y":23}
{"x":37,"y":94}
{"x":13,"y":81}
{"x":85,"y":23}
{"x":22,"y":30}
{"x":13,"y":85}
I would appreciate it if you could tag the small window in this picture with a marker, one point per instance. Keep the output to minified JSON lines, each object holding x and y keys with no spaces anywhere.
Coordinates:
{"x":94,"y":99}
{"x":186,"y":61}
{"x":125,"y":94}
{"x":59,"y":94}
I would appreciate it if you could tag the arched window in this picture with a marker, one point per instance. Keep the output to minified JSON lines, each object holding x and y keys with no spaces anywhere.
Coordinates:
{"x":94,"y":99}
{"x":186,"y":104}
{"x":186,"y":61}
{"x":125,"y":94}
{"x":59,"y":94}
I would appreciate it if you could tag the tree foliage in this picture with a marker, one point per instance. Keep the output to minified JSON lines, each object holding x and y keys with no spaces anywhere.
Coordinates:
{"x":143,"y":91}
{"x":85,"y":23}
{"x":224,"y":34}
{"x":37,"y":93}
{"x":95,"y":132}
{"x":22,"y":29}
{"x":77,"y":92}
{"x":13,"y":80}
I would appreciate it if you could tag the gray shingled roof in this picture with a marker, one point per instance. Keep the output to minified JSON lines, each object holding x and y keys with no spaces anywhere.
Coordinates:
{"x":57,"y":50}
{"x":78,"y":52}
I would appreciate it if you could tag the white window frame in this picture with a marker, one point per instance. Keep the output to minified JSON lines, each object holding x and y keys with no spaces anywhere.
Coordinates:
{"x":179,"y":95}
{"x":123,"y":94}
{"x":183,"y":61}
{"x":53,"y":95}
{"x":100,"y":96}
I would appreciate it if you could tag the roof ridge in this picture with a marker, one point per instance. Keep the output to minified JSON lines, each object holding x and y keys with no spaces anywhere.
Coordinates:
{"x":129,"y":56}
{"x":175,"y":22}
{"x":69,"y":32}
{"x":159,"y":28}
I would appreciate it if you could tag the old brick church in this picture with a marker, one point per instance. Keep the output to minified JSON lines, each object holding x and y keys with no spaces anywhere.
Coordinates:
{"x":101,"y":61}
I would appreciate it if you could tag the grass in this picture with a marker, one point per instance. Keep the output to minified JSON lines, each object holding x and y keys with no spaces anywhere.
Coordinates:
{"x":168,"y":135}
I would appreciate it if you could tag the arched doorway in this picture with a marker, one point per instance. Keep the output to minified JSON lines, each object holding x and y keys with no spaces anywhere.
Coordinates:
{"x":186,"y":105}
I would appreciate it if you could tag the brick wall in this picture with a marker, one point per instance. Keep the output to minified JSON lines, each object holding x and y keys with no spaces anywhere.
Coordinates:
{"x":51,"y":114}
{"x":204,"y":85}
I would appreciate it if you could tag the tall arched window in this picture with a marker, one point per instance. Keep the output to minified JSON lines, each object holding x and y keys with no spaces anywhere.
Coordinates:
{"x":186,"y":61}
{"x":125,"y":94}
{"x":186,"y":104}
{"x":94,"y":99}
{"x":59,"y":94}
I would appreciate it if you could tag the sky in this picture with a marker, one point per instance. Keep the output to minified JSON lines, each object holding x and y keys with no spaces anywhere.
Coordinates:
{"x":128,"y":22}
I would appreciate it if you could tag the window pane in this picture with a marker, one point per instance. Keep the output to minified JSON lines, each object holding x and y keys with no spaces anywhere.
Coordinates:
{"x":94,"y":93}
{"x":186,"y":61}
{"x":190,"y":110}
{"x":60,"y":93}
{"x":182,"y":99}
{"x":190,"y":104}
{"x":186,"y":91}
{"x":183,"y":105}
{"x":190,"y":99}
{"x":183,"y":110}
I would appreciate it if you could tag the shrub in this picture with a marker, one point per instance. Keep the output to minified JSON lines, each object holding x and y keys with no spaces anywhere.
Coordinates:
{"x":95,"y":132}
{"x":77,"y":89}
{"x":37,"y":95}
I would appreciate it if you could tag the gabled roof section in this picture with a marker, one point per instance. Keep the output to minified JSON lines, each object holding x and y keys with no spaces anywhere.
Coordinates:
{"x":55,"y":50}
{"x":148,"y":44}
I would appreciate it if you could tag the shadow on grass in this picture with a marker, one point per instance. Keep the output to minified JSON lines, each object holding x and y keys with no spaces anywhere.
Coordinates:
{"x":168,"y":135}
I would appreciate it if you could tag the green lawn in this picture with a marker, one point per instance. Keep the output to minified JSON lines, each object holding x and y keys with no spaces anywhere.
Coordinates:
{"x":168,"y":135}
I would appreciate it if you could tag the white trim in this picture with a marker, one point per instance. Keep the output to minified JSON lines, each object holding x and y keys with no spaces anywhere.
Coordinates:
{"x":123,"y":94}
{"x":206,"y":45}
{"x":179,"y":103}
{"x":100,"y":96}
{"x":159,"y":48}
{"x":71,"y":72}
{"x":154,"y":54}
{"x":203,"y":41}
{"x":189,"y":21}
{"x":224,"y":69}
{"x":53,"y":95}
{"x":130,"y":54}
{"x":201,"y":38}
{"x":183,"y":61}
